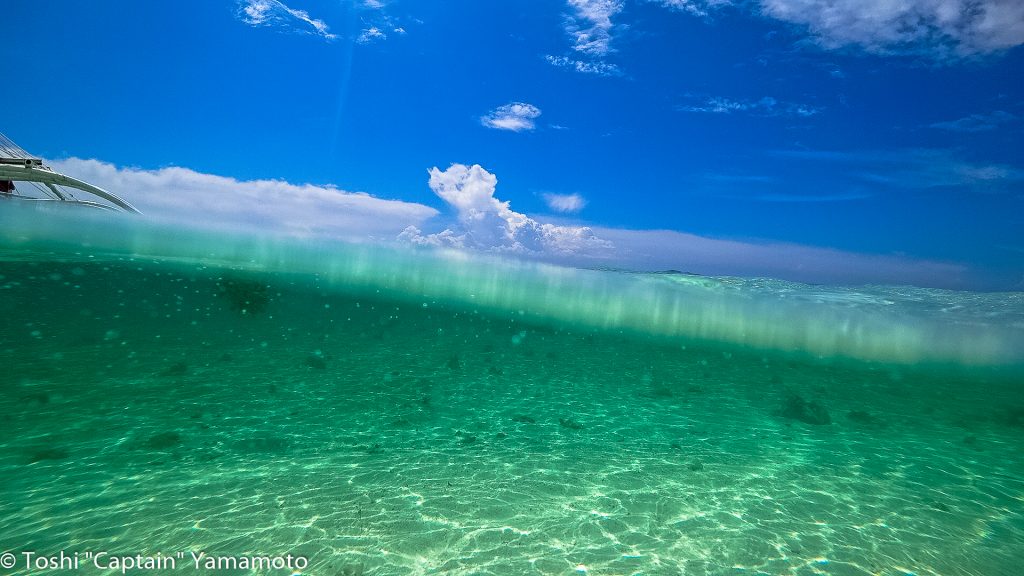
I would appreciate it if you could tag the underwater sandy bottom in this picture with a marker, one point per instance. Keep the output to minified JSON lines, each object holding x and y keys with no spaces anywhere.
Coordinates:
{"x":379,"y":437}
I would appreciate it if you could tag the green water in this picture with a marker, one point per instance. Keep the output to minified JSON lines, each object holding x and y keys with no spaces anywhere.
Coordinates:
{"x":383,"y":412}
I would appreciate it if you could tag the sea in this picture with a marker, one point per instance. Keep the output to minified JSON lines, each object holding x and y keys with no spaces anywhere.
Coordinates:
{"x":187,"y":401}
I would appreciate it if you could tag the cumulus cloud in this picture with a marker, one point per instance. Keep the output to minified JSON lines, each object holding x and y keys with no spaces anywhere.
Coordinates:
{"x":766,"y":106}
{"x":565,"y":203}
{"x":489,"y":224}
{"x":517,"y":116}
{"x":963,"y":27}
{"x":183,"y":195}
{"x":274,"y":13}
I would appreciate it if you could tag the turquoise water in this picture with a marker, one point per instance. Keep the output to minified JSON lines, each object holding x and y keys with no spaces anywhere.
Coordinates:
{"x":385,"y":411}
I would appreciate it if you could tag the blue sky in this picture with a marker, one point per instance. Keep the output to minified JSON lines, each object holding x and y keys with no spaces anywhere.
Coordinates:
{"x":872,"y":136}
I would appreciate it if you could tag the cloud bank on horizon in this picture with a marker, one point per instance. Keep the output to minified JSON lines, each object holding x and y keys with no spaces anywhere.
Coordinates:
{"x":272,"y":206}
{"x":483,"y":223}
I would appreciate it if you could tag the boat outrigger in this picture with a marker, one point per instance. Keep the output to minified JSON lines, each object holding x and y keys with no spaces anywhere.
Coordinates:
{"x":47,"y":185}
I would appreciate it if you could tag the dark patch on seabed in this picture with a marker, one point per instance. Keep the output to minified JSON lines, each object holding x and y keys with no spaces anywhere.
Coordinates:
{"x":148,"y":407}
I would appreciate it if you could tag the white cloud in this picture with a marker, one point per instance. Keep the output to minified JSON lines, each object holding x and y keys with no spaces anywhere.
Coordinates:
{"x":912,"y":169}
{"x":485,"y":223}
{"x":670,"y":250}
{"x":565,"y":203}
{"x":517,"y":116}
{"x":276,"y":13}
{"x":943,"y":27}
{"x":695,"y":7}
{"x":938,"y":28}
{"x":370,"y":34}
{"x":586,"y":67}
{"x":766,"y":106}
{"x":377,"y":23}
{"x":977,"y":122}
{"x":590,"y":25}
{"x":489,"y":224}
{"x":183,"y":195}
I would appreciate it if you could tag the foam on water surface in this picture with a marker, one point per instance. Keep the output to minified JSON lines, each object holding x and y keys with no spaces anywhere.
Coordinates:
{"x":383,"y":411}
